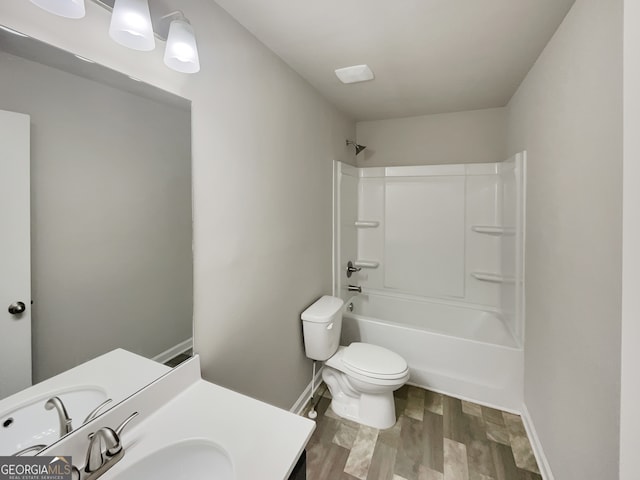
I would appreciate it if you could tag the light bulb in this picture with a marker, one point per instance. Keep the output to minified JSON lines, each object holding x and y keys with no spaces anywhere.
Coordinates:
{"x":181,"y":52}
{"x":131,"y":25}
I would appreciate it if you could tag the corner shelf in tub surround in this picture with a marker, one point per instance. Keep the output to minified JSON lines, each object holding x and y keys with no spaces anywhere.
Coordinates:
{"x":493,"y":230}
{"x":366,"y":263}
{"x":492,"y":277}
{"x":366,"y":223}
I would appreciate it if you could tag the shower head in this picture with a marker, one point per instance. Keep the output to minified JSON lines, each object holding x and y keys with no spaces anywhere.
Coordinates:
{"x":359,"y":148}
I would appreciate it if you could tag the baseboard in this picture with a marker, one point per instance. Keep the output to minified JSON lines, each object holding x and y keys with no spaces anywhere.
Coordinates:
{"x":541,"y":458}
{"x":298,"y":407}
{"x":174,"y":351}
{"x":452,"y":394}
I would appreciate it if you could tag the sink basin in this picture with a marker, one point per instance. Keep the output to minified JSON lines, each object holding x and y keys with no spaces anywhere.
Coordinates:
{"x":31,"y":424}
{"x":186,"y":460}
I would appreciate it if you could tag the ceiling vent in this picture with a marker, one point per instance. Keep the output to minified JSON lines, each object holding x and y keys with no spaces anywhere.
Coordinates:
{"x":357,"y":73}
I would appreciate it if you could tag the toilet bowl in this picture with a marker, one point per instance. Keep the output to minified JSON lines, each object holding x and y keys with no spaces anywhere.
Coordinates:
{"x":361,"y":377}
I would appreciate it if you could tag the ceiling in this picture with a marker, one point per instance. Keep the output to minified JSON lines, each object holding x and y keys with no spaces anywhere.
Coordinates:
{"x":428,"y":56}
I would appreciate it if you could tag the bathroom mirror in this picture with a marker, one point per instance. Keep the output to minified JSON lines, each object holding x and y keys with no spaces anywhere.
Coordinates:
{"x":111,"y":220}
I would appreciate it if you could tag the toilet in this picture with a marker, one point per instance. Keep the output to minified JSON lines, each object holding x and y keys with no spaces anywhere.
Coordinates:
{"x":361,"y":377}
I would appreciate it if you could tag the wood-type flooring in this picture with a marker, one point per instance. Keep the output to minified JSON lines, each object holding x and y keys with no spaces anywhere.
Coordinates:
{"x":436,"y":437}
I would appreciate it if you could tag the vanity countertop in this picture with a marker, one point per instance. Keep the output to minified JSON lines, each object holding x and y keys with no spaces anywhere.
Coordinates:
{"x":115,"y":375}
{"x":262,"y":441}
{"x":103,"y":372}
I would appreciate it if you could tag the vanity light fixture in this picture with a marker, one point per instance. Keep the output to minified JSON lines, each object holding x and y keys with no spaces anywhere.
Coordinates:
{"x":181,"y":51}
{"x":62,"y":8}
{"x":134,"y":26}
{"x":131,"y":25}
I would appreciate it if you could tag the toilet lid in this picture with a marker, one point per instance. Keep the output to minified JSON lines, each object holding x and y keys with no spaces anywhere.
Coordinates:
{"x":374,"y":361}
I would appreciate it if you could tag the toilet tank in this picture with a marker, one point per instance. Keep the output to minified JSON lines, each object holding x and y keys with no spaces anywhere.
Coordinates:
{"x":321,"y":326}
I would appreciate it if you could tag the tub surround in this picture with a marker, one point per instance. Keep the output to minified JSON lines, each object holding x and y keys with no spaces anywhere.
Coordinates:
{"x":181,"y":406}
{"x":461,"y":241}
{"x":443,"y":285}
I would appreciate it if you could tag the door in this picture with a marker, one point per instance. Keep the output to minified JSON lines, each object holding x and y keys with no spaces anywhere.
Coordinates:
{"x":15,"y":254}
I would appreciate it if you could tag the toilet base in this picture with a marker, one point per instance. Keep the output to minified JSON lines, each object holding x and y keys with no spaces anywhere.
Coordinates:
{"x":375,"y":410}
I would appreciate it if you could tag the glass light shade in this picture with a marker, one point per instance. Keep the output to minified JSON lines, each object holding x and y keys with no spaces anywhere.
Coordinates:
{"x":131,"y":25}
{"x":62,"y":8}
{"x":181,"y":52}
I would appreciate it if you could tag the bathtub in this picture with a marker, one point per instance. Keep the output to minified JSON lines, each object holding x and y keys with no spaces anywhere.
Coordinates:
{"x":459,"y":351}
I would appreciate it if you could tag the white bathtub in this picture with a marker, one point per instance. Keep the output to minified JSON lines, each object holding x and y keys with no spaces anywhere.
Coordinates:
{"x":459,"y":351}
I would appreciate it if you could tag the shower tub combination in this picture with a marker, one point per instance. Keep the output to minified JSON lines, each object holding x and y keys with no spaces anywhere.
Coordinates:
{"x":437,"y":253}
{"x":455,"y":350}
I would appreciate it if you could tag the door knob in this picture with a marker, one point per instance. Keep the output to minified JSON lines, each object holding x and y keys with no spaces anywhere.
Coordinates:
{"x":17,"y":308}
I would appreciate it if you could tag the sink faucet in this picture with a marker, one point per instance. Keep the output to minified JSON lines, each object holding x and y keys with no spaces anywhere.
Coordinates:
{"x":354,"y":288}
{"x":63,"y":416}
{"x":96,"y":411}
{"x":105,"y":450}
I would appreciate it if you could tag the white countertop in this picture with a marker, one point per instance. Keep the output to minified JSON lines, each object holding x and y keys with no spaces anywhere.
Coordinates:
{"x":263,"y":442}
{"x":118,"y":373}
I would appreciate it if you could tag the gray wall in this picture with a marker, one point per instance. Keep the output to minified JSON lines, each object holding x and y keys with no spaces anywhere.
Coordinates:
{"x":568,"y":115}
{"x":262,"y":142}
{"x":111,"y":217}
{"x":476,"y":136}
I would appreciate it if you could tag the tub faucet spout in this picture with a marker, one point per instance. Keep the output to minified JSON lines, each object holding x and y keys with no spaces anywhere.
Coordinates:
{"x":355,"y":288}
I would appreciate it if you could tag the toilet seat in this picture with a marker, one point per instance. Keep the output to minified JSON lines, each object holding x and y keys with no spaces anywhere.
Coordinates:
{"x":372,"y":361}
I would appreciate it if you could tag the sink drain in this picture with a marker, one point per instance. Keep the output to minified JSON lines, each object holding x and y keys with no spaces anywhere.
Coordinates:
{"x":7,"y":423}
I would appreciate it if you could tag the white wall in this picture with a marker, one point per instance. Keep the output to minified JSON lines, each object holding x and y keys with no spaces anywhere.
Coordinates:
{"x":262,"y":142}
{"x":477,"y":136}
{"x":568,"y":115}
{"x":630,"y":394}
{"x":110,"y":216}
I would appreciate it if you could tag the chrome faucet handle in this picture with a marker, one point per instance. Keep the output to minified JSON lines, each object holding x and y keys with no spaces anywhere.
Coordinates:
{"x":63,"y":415}
{"x":116,"y":448}
{"x":351,"y":269}
{"x":105,"y":450}
{"x":94,"y":413}
{"x":354,"y":288}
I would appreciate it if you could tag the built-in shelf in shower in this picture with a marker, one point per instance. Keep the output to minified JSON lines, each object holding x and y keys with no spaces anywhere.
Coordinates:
{"x":366,"y":263}
{"x":493,"y":230}
{"x":492,"y":277}
{"x":366,"y":223}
